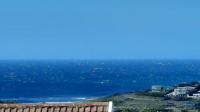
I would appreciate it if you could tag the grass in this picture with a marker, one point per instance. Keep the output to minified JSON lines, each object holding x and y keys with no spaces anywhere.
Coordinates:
{"x":144,"y":102}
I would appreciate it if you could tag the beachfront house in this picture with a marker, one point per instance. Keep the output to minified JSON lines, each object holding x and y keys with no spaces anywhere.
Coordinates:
{"x":181,"y":91}
{"x":67,"y":107}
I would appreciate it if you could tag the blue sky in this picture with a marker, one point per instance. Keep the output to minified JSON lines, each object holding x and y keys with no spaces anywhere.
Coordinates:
{"x":99,"y":29}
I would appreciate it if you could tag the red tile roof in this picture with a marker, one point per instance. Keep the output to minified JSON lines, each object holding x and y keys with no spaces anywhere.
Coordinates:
{"x":71,"y":107}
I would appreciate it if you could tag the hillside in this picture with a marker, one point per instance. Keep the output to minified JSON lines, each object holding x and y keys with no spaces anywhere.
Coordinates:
{"x":137,"y":102}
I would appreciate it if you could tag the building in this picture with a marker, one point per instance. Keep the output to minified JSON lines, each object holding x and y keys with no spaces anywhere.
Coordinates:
{"x":195,"y":95}
{"x":181,"y":91}
{"x":156,"y":88}
{"x":69,"y":107}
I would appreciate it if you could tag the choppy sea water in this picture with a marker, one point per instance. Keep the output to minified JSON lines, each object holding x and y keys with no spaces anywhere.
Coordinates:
{"x":80,"y":80}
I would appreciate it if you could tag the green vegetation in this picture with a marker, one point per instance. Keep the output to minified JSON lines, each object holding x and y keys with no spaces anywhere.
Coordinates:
{"x":148,"y":110}
{"x":159,"y":94}
{"x":126,"y":110}
{"x":155,"y":100}
{"x":148,"y":102}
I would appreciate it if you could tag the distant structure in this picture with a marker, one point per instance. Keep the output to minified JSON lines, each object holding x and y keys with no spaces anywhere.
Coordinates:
{"x":195,"y":95}
{"x":181,"y":91}
{"x":157,"y":88}
{"x":71,"y":107}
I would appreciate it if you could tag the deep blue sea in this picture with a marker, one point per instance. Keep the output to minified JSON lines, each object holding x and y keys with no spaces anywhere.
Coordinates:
{"x":78,"y":80}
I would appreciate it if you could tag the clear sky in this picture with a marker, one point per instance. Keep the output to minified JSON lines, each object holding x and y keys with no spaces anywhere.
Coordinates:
{"x":99,"y":29}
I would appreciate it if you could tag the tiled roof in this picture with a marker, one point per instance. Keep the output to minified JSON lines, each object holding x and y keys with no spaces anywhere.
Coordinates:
{"x":71,"y":107}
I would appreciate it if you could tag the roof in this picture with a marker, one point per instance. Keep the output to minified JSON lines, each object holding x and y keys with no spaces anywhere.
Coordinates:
{"x":69,"y":107}
{"x":156,"y":87}
{"x":186,"y":87}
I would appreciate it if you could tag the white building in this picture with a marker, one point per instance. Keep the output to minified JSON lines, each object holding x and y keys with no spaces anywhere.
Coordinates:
{"x":156,"y":88}
{"x":195,"y":95}
{"x":181,"y":91}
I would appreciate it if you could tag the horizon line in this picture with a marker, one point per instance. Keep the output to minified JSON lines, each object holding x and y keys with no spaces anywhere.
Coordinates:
{"x":93,"y":59}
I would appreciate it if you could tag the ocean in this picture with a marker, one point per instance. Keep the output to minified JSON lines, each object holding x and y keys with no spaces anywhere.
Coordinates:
{"x":29,"y":81}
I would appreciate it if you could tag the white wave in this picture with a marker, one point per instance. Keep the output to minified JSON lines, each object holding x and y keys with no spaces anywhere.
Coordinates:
{"x":80,"y":98}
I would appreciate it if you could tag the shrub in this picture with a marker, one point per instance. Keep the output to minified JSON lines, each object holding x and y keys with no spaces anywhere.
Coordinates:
{"x":148,"y":110}
{"x":126,"y":110}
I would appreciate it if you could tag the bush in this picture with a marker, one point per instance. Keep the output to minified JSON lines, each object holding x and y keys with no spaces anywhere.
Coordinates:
{"x":126,"y":110}
{"x":151,"y":94}
{"x":148,"y":110}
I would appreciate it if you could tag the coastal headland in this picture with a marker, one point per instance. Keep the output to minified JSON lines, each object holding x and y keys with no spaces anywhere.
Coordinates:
{"x":158,"y":99}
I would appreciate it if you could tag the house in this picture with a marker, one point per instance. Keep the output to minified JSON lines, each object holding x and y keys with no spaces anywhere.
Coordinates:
{"x":195,"y":95}
{"x":156,"y":88}
{"x":181,"y":91}
{"x":69,"y":107}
